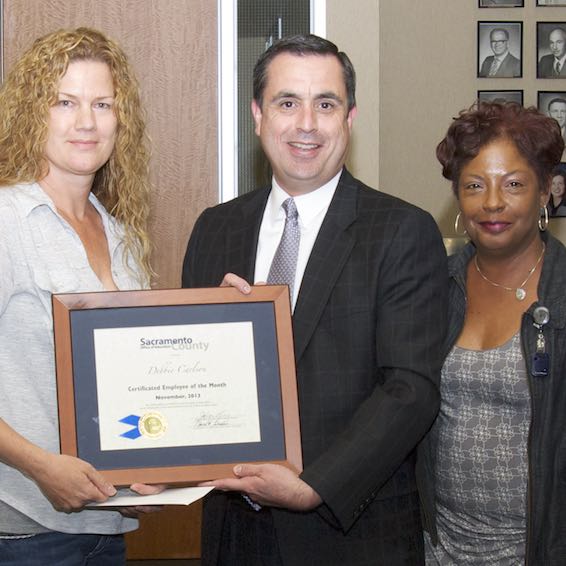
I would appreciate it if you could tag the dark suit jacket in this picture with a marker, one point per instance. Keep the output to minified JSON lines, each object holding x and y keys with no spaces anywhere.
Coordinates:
{"x":545,"y":69}
{"x":368,"y":329}
{"x":510,"y":67}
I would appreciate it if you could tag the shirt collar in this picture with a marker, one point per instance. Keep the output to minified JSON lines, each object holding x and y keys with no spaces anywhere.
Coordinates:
{"x":32,"y":196}
{"x":308,"y":205}
{"x":501,"y":57}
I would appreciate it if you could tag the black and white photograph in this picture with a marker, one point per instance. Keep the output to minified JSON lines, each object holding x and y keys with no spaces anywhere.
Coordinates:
{"x":501,"y":96}
{"x":551,"y":3}
{"x":501,"y":3}
{"x":557,"y":203}
{"x":500,"y":49}
{"x":553,"y":104}
{"x":551,"y":50}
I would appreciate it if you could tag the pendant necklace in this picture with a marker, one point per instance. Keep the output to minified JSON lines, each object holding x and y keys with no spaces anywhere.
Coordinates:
{"x":520,"y":292}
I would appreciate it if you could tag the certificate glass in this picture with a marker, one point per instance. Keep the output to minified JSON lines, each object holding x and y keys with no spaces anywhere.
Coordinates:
{"x":176,"y":386}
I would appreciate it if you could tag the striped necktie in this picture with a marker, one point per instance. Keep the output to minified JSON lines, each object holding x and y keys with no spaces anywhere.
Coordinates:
{"x":494,"y":67}
{"x":284,"y":264}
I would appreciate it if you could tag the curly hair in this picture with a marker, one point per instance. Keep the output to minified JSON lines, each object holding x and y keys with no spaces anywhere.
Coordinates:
{"x":536,"y":137}
{"x":31,"y":88}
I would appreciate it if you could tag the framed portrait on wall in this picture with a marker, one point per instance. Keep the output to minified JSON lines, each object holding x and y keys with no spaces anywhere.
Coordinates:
{"x":551,"y":3}
{"x":500,"y":50}
{"x":557,"y":203}
{"x":551,"y":50}
{"x":501,"y":3}
{"x":553,"y":104}
{"x":501,"y":96}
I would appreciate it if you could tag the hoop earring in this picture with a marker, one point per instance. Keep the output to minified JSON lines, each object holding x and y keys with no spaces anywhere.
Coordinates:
{"x":456,"y":222}
{"x":543,"y":224}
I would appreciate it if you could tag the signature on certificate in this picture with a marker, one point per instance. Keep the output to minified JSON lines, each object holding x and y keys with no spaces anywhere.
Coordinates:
{"x":214,"y":420}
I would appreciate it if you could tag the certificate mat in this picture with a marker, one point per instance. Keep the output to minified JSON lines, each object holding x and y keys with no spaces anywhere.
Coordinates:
{"x":188,"y":385}
{"x":176,"y":386}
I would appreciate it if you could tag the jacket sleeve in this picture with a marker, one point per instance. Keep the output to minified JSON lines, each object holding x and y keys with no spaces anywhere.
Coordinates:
{"x":411,"y":298}
{"x":191,"y":276}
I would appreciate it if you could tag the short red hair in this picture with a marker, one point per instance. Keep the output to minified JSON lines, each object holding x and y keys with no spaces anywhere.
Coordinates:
{"x":536,"y":136}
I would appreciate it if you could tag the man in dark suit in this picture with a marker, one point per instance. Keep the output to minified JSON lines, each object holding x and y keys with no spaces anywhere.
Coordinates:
{"x":557,"y":110}
{"x":369,"y":318}
{"x":501,"y":63}
{"x":553,"y":65}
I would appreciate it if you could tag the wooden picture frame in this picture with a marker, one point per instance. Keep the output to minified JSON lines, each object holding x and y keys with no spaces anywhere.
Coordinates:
{"x":97,"y":336}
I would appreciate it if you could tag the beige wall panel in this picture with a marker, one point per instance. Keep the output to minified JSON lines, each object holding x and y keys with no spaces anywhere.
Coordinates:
{"x":354,"y":27}
{"x":172,"y":45}
{"x":428,"y":73}
{"x":416,"y":63}
{"x":428,"y":67}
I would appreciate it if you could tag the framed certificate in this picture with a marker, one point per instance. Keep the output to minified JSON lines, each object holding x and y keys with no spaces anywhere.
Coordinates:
{"x":176,"y":386}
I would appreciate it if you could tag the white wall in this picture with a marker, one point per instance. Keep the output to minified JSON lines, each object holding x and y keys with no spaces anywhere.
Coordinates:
{"x":417,"y":63}
{"x":354,"y":27}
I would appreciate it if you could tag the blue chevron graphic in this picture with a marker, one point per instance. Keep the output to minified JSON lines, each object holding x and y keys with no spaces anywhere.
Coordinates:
{"x":132,"y":420}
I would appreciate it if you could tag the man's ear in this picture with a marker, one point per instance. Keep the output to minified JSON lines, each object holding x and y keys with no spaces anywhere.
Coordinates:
{"x":351,"y":115}
{"x":256,"y":113}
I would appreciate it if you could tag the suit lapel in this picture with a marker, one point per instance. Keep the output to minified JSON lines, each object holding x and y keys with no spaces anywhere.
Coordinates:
{"x":242,"y":238}
{"x":329,"y":254}
{"x":503,"y":66}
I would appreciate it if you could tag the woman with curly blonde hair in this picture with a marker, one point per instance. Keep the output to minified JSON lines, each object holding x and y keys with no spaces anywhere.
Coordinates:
{"x":121,"y":184}
{"x":73,"y":213}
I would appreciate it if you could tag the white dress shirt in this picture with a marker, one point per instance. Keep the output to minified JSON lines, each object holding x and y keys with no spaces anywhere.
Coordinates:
{"x":312,"y":208}
{"x":560,"y":61}
{"x":496,"y":63}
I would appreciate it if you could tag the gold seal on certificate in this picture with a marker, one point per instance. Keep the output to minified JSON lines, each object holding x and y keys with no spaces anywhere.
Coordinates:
{"x":152,"y":425}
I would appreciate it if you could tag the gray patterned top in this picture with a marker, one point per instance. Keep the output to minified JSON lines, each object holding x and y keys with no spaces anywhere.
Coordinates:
{"x":481,"y":458}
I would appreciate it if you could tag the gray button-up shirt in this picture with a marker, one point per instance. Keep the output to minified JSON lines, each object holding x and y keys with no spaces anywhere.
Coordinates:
{"x":41,"y":254}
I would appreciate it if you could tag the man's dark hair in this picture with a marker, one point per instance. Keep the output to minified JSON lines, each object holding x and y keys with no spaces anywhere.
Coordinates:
{"x":303,"y":45}
{"x":561,"y":100}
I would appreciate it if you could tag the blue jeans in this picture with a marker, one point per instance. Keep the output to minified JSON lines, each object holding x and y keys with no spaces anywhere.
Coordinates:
{"x":59,"y":549}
